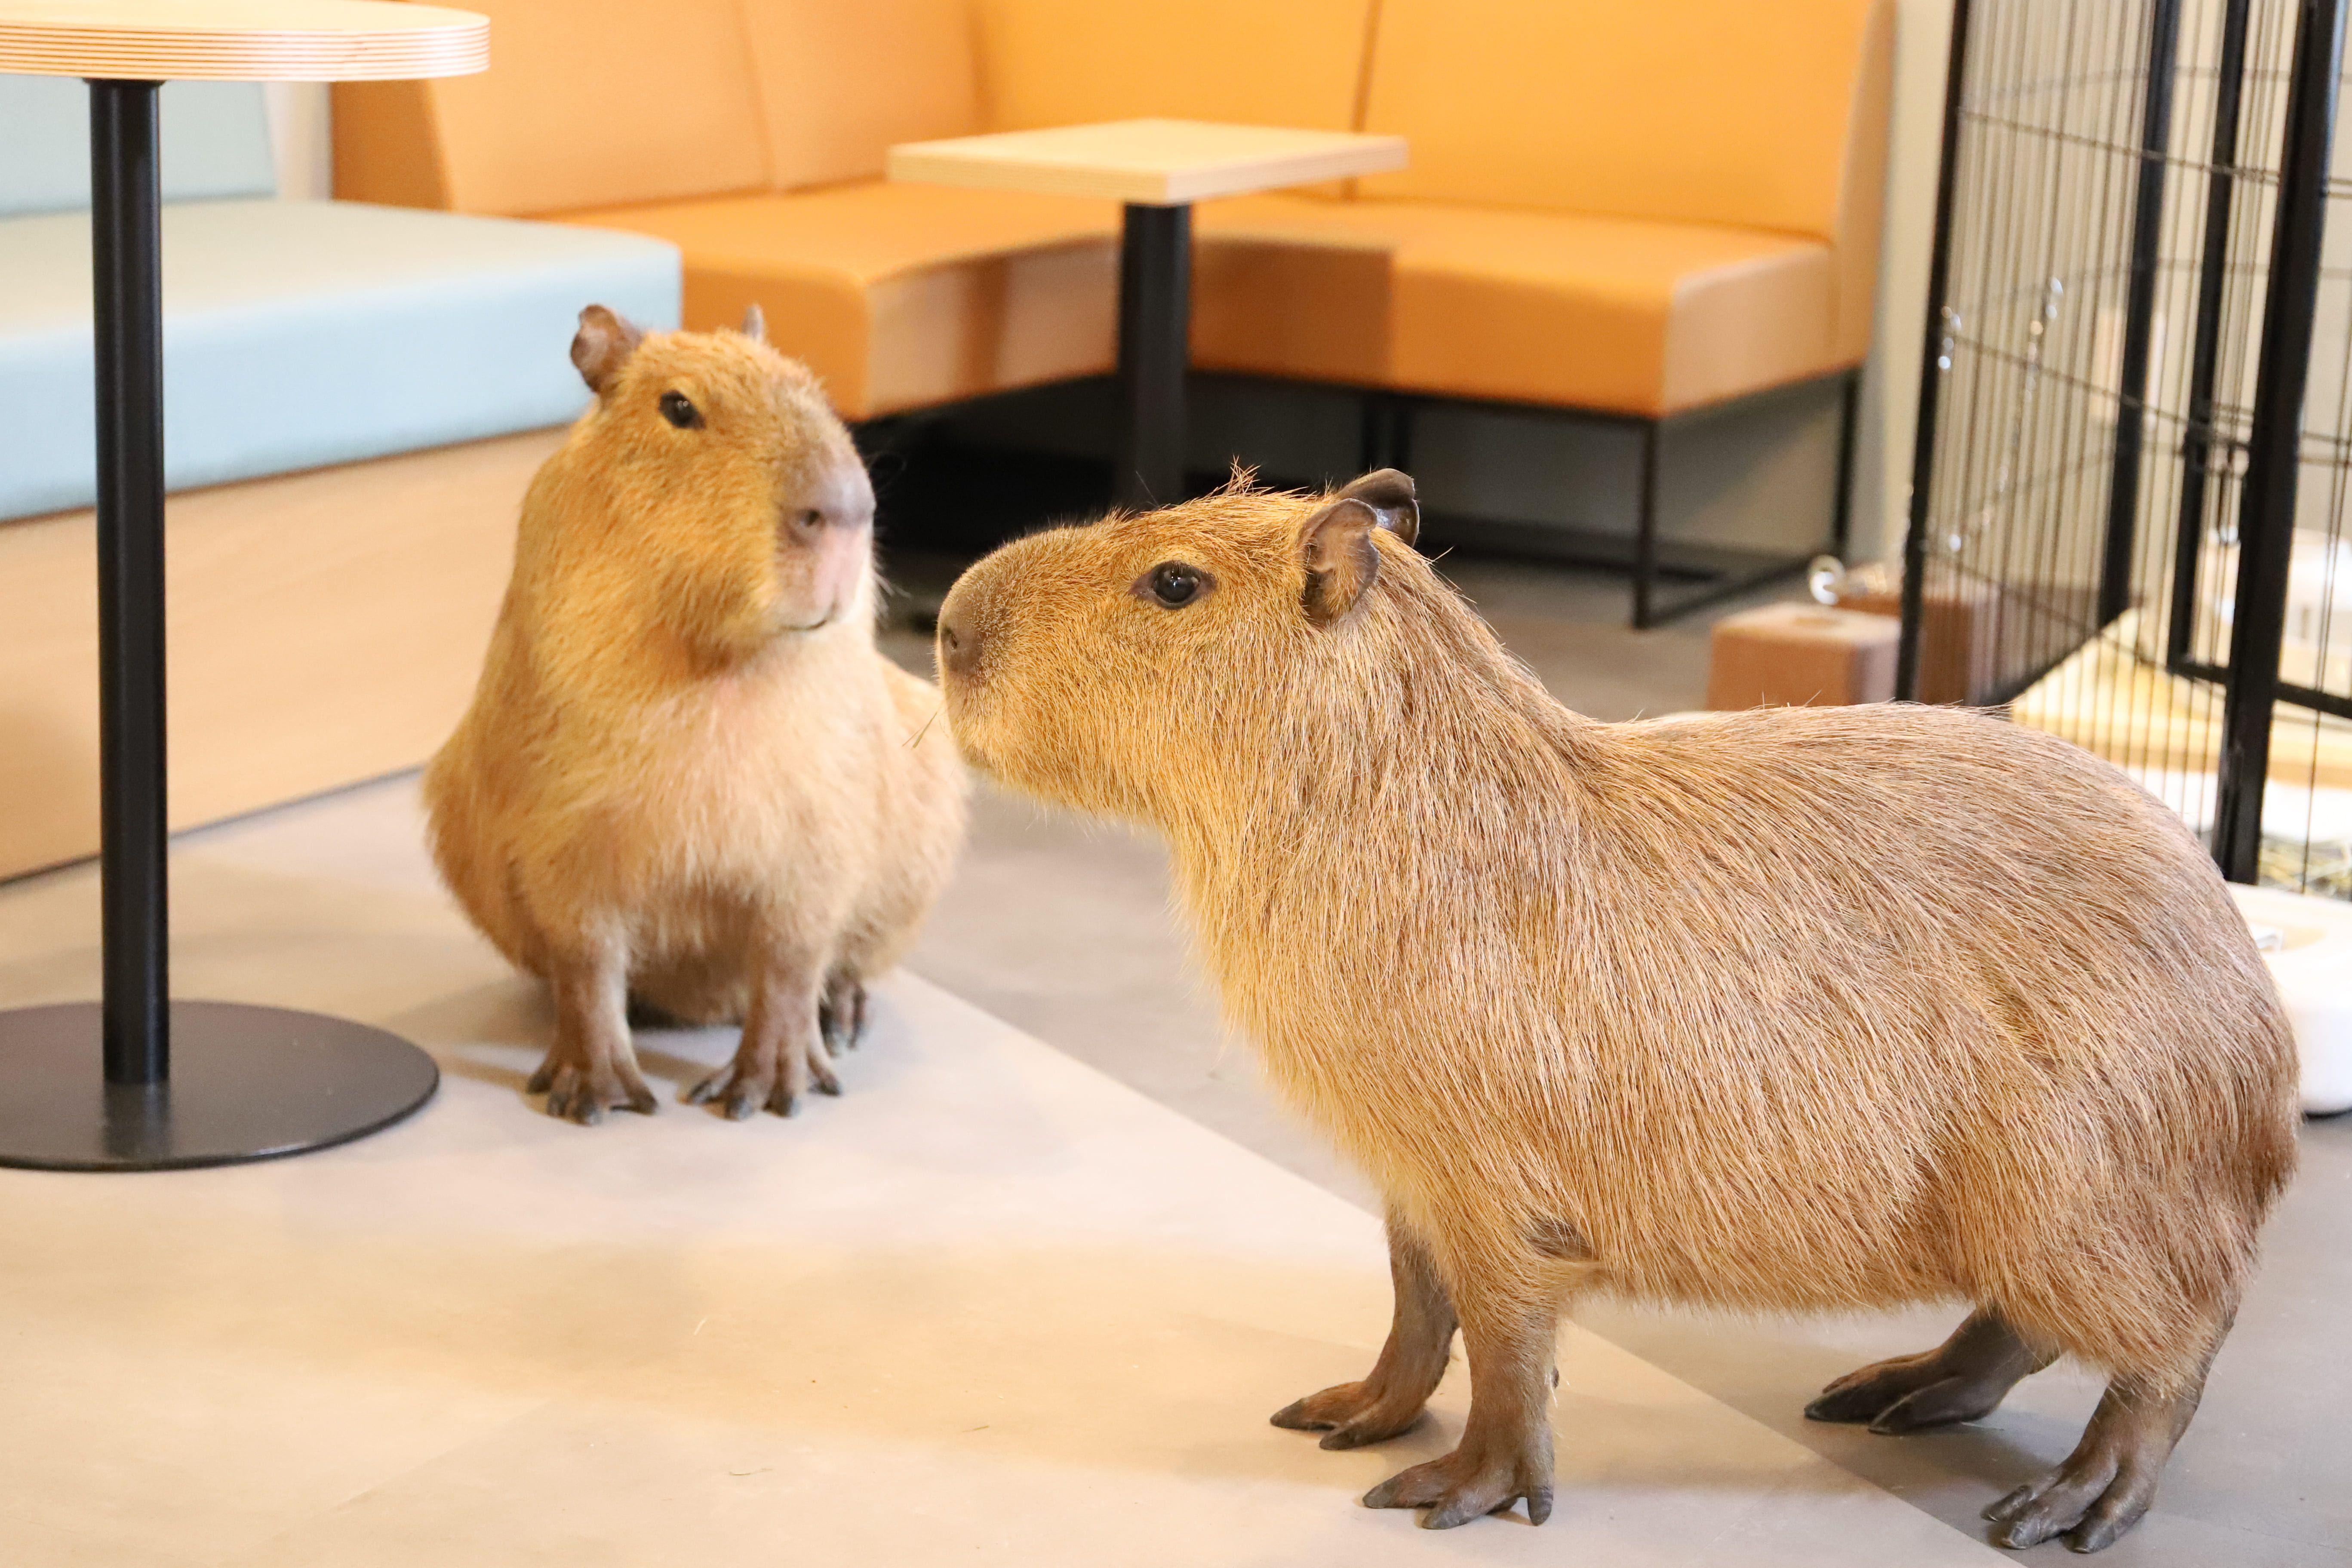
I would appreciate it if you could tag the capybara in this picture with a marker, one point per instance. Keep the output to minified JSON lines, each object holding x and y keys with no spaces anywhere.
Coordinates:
{"x":688,"y":780}
{"x":1810,"y":1009}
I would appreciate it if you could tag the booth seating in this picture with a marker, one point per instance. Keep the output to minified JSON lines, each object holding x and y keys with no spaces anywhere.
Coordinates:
{"x":1634,"y":209}
{"x":356,"y":397}
{"x":1629,"y":212}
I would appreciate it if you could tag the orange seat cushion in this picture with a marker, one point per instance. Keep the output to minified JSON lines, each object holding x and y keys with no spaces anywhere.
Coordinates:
{"x":1626,"y":315}
{"x":903,"y":295}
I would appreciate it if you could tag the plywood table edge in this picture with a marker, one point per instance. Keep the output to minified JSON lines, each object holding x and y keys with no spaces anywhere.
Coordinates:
{"x":976,"y":168}
{"x":297,"y":40}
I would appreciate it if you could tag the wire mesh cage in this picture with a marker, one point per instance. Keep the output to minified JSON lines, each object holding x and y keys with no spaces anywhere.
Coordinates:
{"x":2128,"y":519}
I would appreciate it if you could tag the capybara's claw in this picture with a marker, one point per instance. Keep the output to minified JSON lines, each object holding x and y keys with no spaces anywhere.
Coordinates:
{"x":1456,"y":1490}
{"x":747,"y":1085}
{"x":1941,"y":1404}
{"x":739,"y":1089}
{"x":1862,"y":1396}
{"x":1963,"y":1379}
{"x":1350,"y":1414}
{"x":580,"y":1094}
{"x":820,"y":1069}
{"x":2090,"y":1499}
{"x":841,"y":1017}
{"x":569,"y":1099}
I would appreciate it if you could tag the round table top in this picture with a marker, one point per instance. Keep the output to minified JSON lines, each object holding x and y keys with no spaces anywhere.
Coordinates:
{"x":240,"y":40}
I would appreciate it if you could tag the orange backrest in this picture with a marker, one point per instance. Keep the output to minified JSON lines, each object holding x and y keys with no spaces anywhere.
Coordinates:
{"x":586,"y":103}
{"x":599,"y":104}
{"x":840,"y":81}
{"x":1263,"y":62}
{"x":1731,"y":111}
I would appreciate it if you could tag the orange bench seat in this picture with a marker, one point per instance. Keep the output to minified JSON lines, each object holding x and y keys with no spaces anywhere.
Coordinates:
{"x":1630,"y":315}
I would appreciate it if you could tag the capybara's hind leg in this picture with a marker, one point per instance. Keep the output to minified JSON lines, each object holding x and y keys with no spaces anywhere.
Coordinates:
{"x":1960,"y":1380}
{"x":1391,"y":1397}
{"x":590,"y":1066}
{"x":1509,"y":1329}
{"x":840,"y":1015}
{"x":2109,"y":1479}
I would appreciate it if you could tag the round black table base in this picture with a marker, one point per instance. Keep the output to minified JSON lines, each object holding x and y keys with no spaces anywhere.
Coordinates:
{"x":247,"y":1083}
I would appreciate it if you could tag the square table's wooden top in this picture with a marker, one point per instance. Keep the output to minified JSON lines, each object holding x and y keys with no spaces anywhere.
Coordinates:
{"x":240,"y":40}
{"x":1155,"y":162}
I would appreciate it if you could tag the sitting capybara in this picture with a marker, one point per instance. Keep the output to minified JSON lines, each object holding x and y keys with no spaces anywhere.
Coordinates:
{"x":688,"y":779}
{"x":1807,"y":1008}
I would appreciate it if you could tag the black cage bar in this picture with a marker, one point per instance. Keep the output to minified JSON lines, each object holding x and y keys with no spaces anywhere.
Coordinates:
{"x":2133,"y":463}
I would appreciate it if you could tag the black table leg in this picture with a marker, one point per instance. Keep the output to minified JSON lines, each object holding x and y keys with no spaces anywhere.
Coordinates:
{"x":92,"y":1087}
{"x":126,"y":252}
{"x":1155,"y":309}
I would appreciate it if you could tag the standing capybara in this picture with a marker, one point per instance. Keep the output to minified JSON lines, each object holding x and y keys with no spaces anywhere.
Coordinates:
{"x":688,"y":779}
{"x":1799,"y":1009}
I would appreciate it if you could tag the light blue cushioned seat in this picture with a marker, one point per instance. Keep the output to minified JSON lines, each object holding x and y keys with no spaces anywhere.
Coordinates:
{"x":302,"y":333}
{"x":296,"y":335}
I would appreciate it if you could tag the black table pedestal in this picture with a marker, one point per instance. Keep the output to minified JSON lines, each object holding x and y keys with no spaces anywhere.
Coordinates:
{"x":95,"y":1086}
{"x":1155,"y":310}
{"x":246,"y":1083}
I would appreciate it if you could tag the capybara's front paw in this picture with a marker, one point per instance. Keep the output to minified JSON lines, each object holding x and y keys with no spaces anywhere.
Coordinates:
{"x":1350,"y":1414}
{"x":775,"y":1078}
{"x":583,"y":1092}
{"x":1470,"y":1482}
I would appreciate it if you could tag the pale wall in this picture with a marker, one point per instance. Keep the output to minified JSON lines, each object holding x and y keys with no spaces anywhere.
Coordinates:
{"x":1884,"y":456}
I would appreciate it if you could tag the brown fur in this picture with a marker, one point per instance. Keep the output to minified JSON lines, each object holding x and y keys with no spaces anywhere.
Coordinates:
{"x":663,"y":791}
{"x":1805,"y":1008}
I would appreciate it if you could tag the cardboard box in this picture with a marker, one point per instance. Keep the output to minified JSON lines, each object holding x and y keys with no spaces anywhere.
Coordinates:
{"x":1799,"y":655}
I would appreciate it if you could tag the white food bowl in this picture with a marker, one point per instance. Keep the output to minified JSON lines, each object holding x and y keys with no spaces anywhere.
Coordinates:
{"x":2307,"y":943}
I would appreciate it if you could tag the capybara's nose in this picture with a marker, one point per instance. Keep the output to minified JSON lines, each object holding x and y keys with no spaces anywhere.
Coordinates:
{"x":959,"y":641}
{"x":840,"y":497}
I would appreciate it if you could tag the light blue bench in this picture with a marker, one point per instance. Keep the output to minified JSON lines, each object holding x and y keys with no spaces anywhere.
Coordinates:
{"x":296,"y":335}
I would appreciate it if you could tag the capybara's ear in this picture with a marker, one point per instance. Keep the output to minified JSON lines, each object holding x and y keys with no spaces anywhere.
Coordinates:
{"x":602,"y":346}
{"x":755,"y":325}
{"x":1389,"y":493}
{"x":1334,"y":546}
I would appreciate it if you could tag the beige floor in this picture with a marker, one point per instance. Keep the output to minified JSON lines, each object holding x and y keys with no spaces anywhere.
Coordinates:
{"x":991,"y":1306}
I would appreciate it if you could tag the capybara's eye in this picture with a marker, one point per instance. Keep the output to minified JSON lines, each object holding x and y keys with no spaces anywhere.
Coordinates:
{"x":1174,"y":584}
{"x":681,"y":411}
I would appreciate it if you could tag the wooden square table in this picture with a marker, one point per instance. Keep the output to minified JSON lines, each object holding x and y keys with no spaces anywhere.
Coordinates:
{"x":1158,"y":168}
{"x":95,"y":1086}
